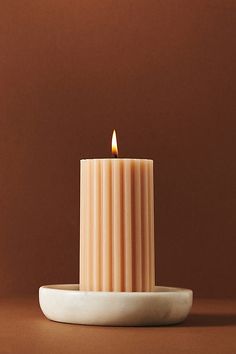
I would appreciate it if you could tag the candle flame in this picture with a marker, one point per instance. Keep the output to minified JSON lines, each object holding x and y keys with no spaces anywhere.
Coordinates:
{"x":114,"y":147}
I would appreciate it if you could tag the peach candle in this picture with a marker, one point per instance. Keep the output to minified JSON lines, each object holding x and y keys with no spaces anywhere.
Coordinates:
{"x":116,"y":224}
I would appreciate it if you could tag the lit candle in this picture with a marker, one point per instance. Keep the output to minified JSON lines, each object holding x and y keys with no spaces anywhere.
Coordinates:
{"x":116,"y":224}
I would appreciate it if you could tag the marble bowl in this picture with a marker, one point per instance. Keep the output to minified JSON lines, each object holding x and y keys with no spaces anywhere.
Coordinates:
{"x":66,"y":303}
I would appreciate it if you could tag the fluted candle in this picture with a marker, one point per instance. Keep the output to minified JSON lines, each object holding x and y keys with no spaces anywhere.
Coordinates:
{"x":117,"y":225}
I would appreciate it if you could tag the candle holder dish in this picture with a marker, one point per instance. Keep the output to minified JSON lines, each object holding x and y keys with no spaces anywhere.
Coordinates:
{"x":163,"y":306}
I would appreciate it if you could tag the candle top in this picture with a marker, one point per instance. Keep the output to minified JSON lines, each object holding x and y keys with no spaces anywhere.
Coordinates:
{"x":117,"y":159}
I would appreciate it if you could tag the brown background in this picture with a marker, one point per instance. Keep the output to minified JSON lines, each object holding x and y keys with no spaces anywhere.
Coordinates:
{"x":163,"y":74}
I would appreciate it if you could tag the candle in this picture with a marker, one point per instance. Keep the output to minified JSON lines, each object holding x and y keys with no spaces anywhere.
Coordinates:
{"x":116,"y":224}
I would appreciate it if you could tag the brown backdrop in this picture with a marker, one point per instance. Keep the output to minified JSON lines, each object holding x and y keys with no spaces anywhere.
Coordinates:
{"x":163,"y":74}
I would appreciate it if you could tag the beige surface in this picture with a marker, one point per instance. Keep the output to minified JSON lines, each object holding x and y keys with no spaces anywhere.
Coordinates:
{"x":211,"y":328}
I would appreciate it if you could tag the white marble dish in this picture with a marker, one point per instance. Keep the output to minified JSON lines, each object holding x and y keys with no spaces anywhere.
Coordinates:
{"x":66,"y":303}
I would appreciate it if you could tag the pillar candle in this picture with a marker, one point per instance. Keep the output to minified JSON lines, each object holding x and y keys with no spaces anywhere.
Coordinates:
{"x":116,"y":225}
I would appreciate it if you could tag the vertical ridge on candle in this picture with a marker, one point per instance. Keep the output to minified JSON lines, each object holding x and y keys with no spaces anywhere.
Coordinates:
{"x":122,"y":260}
{"x":127,"y":228}
{"x":147,"y":257}
{"x":96,"y":224}
{"x":82,"y":229}
{"x":112,"y":227}
{"x":151,"y":222}
{"x":149,"y":227}
{"x":85,"y":230}
{"x":91,"y":273}
{"x":145,"y":228}
{"x":102,"y":265}
{"x":133,"y":224}
{"x":88,"y":269}
{"x":142,"y":229}
{"x":106,"y":226}
{"x":116,"y":225}
{"x":138,"y":227}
